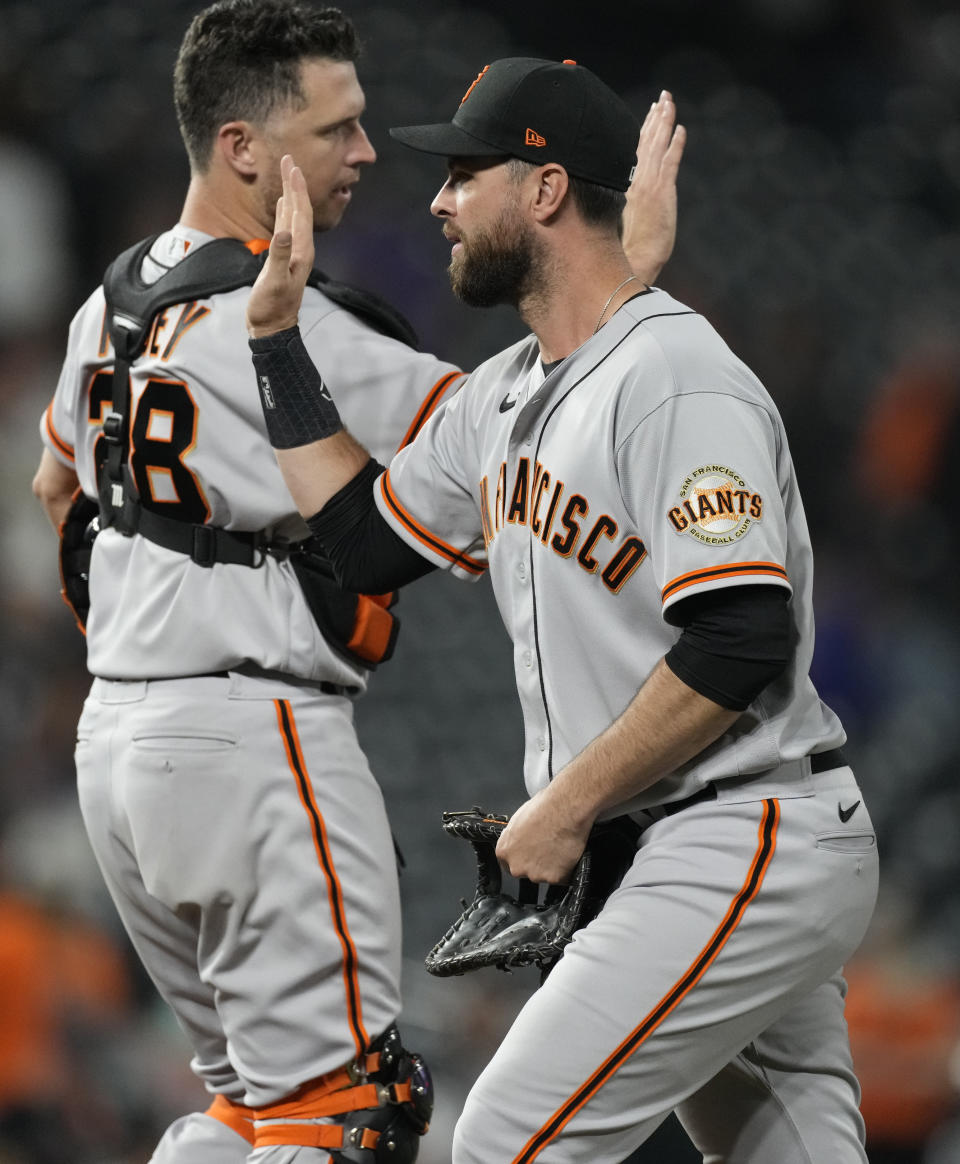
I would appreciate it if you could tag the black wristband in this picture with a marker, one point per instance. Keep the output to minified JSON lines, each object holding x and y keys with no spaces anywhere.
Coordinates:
{"x":297,"y":405}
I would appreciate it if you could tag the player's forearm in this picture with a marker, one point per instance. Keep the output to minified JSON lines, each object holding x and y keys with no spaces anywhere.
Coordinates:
{"x":54,"y":486}
{"x":314,"y":473}
{"x":666,"y":724}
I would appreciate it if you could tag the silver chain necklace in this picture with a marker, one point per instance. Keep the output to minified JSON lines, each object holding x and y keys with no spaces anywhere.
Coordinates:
{"x":628,"y":279}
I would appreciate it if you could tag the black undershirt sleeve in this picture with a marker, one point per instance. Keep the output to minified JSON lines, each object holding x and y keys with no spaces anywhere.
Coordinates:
{"x":366,"y":554}
{"x":735,"y":642}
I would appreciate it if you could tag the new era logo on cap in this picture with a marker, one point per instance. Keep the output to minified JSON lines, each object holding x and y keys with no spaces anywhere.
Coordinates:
{"x":581,"y":124}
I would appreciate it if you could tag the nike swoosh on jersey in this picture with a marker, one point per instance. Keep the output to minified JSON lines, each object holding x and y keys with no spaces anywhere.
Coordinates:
{"x":506,"y":403}
{"x":846,"y":813}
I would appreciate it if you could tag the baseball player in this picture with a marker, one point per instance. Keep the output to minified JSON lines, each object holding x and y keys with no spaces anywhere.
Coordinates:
{"x":237,"y":824}
{"x":626,"y":482}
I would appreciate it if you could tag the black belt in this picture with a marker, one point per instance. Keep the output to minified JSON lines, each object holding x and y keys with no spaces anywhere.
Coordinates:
{"x":819,"y":762}
{"x":824,"y":761}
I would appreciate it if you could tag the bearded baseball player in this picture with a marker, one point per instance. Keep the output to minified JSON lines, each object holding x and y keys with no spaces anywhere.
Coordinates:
{"x":626,"y":482}
{"x":233,"y":813}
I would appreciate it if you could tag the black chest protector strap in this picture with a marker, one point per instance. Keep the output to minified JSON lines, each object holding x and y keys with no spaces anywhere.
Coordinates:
{"x":216,"y":267}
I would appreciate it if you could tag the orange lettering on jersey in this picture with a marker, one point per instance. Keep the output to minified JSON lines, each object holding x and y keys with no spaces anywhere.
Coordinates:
{"x":517,"y":513}
{"x":159,"y":322}
{"x":485,"y":518}
{"x":551,"y":510}
{"x":474,"y":85}
{"x":534,"y":139}
{"x":623,"y":563}
{"x":527,"y":497}
{"x":190,"y":315}
{"x":541,"y":483}
{"x":605,"y":527}
{"x":576,"y":505}
{"x":501,"y":499}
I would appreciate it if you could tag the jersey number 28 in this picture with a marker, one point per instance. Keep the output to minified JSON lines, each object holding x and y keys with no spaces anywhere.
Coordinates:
{"x":163,"y":430}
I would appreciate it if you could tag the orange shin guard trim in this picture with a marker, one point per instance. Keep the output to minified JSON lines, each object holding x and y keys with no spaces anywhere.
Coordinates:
{"x":328,"y":1136}
{"x":237,"y":1117}
{"x":330,"y":1094}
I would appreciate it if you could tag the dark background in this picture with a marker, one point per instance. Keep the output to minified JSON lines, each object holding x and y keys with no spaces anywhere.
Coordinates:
{"x":819,"y":231}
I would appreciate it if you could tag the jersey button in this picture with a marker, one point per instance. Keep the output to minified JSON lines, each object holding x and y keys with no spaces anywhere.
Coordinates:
{"x":541,"y":743}
{"x":528,"y":658}
{"x":522,"y":570}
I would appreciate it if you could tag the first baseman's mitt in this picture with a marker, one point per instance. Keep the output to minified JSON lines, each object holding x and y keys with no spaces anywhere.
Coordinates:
{"x":508,"y":930}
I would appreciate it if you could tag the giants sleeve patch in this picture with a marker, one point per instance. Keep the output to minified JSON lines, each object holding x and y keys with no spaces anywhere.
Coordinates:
{"x":716,"y":506}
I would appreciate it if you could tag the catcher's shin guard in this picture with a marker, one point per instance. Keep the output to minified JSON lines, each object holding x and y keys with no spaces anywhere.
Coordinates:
{"x":379,"y":1107}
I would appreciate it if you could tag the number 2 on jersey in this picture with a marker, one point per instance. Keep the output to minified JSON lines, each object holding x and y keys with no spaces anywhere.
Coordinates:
{"x":163,"y":430}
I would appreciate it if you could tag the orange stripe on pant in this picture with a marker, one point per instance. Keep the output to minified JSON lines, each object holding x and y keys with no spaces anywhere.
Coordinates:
{"x":291,"y":743}
{"x":765,"y":848}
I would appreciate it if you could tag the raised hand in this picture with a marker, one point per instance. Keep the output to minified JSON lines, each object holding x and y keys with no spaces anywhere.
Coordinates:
{"x":274,"y":302}
{"x":650,"y":216}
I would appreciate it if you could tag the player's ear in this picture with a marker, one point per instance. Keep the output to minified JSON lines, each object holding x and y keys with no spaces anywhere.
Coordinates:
{"x":236,"y":144}
{"x":553,"y":184}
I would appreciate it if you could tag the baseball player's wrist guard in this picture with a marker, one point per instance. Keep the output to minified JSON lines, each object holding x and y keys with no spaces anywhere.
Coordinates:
{"x":524,"y":929}
{"x":297,"y":407}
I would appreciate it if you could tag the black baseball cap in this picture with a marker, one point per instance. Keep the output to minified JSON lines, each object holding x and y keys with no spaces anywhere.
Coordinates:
{"x":540,"y":111}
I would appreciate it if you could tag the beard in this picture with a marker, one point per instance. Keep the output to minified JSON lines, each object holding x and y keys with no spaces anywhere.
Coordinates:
{"x":496,"y":265}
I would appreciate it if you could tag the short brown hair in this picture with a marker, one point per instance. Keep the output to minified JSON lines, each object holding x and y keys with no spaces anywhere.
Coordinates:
{"x":240,"y":60}
{"x":598,"y":205}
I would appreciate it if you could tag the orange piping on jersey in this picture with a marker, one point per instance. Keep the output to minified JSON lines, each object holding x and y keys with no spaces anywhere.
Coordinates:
{"x":237,"y":1117}
{"x":428,"y":407}
{"x":734,"y":570}
{"x":431,"y":541}
{"x":256,"y":246}
{"x":766,"y":847}
{"x":57,"y":440}
{"x":291,"y":742}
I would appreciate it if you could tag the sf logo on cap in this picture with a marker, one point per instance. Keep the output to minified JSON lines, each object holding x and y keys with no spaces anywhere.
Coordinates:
{"x":474,"y":85}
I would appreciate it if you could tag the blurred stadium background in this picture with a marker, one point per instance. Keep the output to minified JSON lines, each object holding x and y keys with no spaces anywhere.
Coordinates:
{"x":819,"y":230}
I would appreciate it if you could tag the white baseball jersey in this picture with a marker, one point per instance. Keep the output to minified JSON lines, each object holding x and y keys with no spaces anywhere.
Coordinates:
{"x":650,"y":465}
{"x":200,"y":454}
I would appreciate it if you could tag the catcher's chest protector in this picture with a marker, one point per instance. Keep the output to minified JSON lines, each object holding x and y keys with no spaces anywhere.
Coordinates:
{"x":362,"y":628}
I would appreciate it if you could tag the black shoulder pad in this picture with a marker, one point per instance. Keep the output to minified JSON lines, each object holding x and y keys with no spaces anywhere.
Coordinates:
{"x":217,"y":266}
{"x":220,"y":265}
{"x":366,"y":306}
